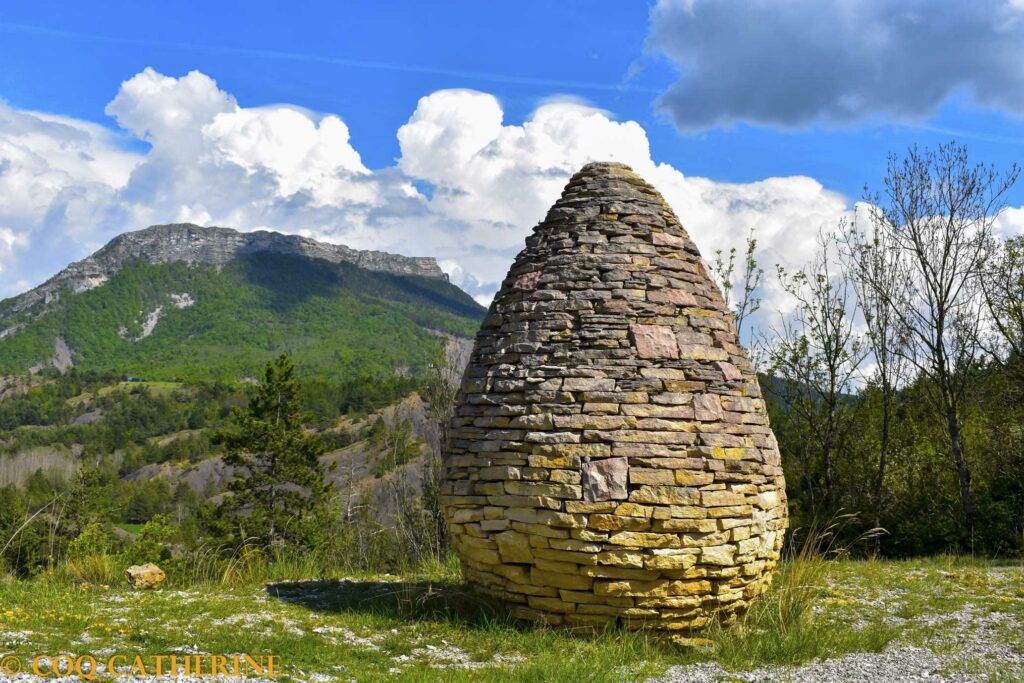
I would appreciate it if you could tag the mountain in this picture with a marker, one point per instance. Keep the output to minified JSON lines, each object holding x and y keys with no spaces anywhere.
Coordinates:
{"x":213,"y":246}
{"x":193,"y":303}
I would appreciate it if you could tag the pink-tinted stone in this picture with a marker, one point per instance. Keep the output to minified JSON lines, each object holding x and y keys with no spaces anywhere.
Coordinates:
{"x":730,"y":371}
{"x":528,"y":281}
{"x":666,"y":239}
{"x":691,"y":338}
{"x":605,"y":479}
{"x":707,"y":407}
{"x":654,"y":341}
{"x":671,"y":296}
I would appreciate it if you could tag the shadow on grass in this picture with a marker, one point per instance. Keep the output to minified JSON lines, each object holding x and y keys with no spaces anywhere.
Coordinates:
{"x":409,"y":600}
{"x":503,"y":648}
{"x":488,"y":629}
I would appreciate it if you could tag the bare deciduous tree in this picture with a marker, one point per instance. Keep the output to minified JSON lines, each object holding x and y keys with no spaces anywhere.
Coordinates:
{"x":815,"y":353}
{"x":441,"y":384}
{"x":936,"y":215}
{"x":874,"y":266}
{"x":439,"y":389}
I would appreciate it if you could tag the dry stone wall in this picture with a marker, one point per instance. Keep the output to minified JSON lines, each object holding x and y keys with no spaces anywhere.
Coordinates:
{"x":610,"y":459}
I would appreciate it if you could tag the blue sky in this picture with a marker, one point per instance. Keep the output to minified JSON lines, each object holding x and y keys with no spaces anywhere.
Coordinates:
{"x":728,"y":93}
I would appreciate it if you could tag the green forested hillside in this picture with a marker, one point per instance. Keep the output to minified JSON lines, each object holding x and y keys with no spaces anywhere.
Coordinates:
{"x":335,"y":320}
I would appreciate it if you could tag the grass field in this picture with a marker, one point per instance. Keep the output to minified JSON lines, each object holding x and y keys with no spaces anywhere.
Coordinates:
{"x":966,"y":616}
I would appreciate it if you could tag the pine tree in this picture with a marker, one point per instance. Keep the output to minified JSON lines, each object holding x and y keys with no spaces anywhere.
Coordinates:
{"x":280,"y":489}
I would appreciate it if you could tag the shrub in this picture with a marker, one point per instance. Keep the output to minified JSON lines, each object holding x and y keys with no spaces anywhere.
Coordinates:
{"x":91,"y":557}
{"x":153,"y":543}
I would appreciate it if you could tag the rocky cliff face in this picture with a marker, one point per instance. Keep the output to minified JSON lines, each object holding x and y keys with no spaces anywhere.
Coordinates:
{"x":215,"y":246}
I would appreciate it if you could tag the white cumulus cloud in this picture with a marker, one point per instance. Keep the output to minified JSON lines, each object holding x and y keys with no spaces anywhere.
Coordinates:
{"x":467,"y":188}
{"x":161,"y":109}
{"x":501,"y":179}
{"x":1010,"y":223}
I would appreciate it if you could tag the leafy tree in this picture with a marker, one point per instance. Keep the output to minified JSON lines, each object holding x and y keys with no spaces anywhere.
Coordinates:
{"x":280,"y":488}
{"x":91,"y":500}
{"x":1004,"y":294}
{"x":393,"y":444}
{"x":154,"y":541}
{"x":146,"y":500}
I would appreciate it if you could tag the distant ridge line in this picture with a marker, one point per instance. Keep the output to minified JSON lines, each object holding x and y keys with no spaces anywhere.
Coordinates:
{"x":212,"y":245}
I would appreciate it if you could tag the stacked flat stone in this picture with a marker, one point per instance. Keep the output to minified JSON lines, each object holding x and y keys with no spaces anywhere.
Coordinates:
{"x":610,"y":460}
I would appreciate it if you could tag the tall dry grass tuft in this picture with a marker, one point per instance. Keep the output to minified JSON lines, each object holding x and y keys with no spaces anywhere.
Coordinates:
{"x":806,"y":572}
{"x":215,"y":566}
{"x":249,"y":564}
{"x":204,"y":567}
{"x":98,"y":568}
{"x":781,"y":628}
{"x":244,"y":567}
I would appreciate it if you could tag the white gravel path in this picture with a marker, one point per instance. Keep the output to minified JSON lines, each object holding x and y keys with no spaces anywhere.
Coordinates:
{"x":978,"y":653}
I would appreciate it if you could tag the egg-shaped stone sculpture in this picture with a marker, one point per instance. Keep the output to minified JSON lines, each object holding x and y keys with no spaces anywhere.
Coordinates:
{"x":610,"y":460}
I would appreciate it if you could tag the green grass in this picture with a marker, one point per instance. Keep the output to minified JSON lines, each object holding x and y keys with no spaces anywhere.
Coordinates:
{"x":428,"y":627}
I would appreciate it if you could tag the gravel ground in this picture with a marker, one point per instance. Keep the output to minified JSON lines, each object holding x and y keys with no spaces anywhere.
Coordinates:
{"x":979,"y":652}
{"x":895,"y":664}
